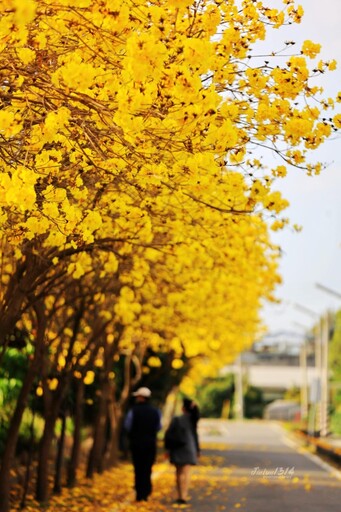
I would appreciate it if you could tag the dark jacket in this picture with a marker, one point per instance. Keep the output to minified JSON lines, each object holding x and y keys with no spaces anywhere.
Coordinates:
{"x":142,"y":423}
{"x":186,"y":454}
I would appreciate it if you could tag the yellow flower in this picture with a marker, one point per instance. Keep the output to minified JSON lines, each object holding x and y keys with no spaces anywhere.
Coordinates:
{"x":53,"y":384}
{"x":332,"y":65}
{"x":76,"y":75}
{"x":337,"y":120}
{"x":154,"y":362}
{"x":310,"y":49}
{"x":26,"y":55}
{"x":177,"y":364}
{"x":24,"y":11}
{"x":280,"y":171}
{"x":10,"y":123}
{"x":89,"y":378}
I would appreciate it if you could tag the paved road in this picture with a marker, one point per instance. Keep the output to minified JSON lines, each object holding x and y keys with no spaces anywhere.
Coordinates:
{"x":254,"y":467}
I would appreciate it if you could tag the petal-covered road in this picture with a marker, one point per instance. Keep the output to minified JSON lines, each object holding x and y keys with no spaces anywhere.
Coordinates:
{"x":255,"y":467}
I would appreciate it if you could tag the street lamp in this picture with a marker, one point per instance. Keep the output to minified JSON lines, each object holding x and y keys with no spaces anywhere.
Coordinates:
{"x":324,"y":362}
{"x":317,"y":407}
{"x":328,"y":290}
{"x":318,"y":335}
{"x":304,"y":380}
{"x":306,"y":310}
{"x":239,"y":388}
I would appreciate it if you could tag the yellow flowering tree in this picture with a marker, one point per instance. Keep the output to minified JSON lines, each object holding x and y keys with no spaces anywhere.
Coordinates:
{"x":110,"y":109}
{"x":130,"y":135}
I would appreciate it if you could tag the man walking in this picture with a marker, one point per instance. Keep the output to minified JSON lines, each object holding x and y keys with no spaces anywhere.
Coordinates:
{"x":142,"y":423}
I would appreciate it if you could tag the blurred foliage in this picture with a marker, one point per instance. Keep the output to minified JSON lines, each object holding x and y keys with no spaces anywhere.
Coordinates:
{"x":212,"y":395}
{"x":335,"y":367}
{"x":31,"y":430}
{"x":253,"y":402}
{"x":335,"y":422}
{"x":293,"y":393}
{"x":335,"y":349}
{"x":12,"y":371}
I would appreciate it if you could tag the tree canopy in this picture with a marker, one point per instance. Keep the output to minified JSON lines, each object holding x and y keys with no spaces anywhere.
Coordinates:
{"x":135,"y":206}
{"x":128,"y":132}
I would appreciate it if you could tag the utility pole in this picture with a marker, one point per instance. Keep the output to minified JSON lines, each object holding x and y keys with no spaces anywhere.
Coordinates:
{"x":324,"y":377}
{"x":318,"y":365}
{"x":315,"y":394}
{"x":325,"y":362}
{"x":239,"y":406}
{"x":304,"y":385}
{"x":304,"y":401}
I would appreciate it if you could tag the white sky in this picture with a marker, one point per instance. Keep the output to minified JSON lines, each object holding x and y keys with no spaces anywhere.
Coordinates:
{"x":314,"y":255}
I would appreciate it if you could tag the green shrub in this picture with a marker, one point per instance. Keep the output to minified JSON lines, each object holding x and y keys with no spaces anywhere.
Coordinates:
{"x":213,"y":394}
{"x":253,"y":403}
{"x":335,"y":422}
{"x":26,"y":437}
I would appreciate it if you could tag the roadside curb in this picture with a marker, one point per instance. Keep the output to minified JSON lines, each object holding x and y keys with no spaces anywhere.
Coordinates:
{"x":322,"y":447}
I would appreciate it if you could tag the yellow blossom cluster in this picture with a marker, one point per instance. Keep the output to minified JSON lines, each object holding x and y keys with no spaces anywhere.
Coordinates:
{"x":126,"y":129}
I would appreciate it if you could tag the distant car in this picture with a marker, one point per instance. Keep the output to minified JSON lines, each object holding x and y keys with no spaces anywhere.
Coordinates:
{"x":284,"y":410}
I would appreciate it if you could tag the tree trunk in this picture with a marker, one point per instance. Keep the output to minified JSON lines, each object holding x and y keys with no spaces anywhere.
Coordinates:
{"x":116,"y":417}
{"x":13,"y":431}
{"x":60,"y":456}
{"x":12,"y":438}
{"x":28,"y":464}
{"x":42,"y":487}
{"x":22,"y":282}
{"x":52,"y":410}
{"x":116,"y":420}
{"x":76,"y":447}
{"x":96,"y":456}
{"x":95,"y":461}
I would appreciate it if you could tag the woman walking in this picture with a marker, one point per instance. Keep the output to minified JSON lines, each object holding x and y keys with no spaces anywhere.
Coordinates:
{"x":181,"y":440}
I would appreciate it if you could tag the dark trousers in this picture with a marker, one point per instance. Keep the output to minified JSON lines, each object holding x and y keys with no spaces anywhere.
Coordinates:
{"x":143,"y":460}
